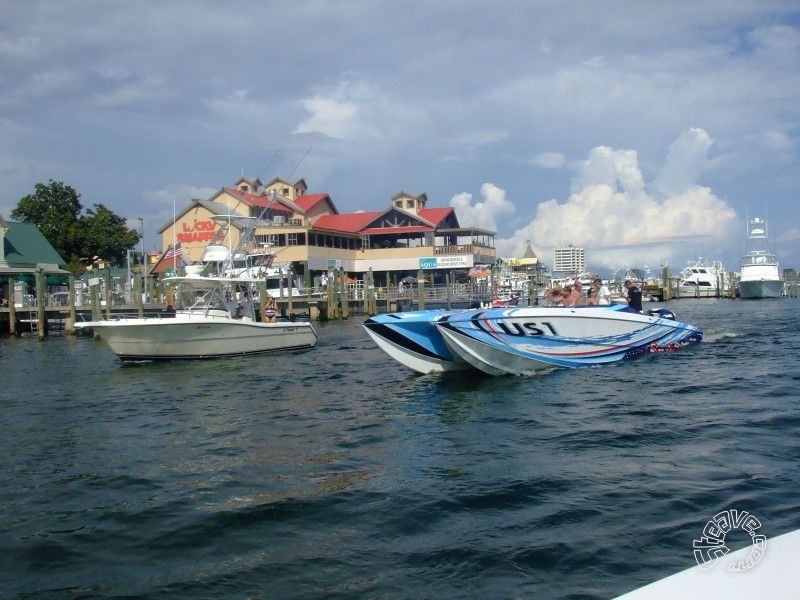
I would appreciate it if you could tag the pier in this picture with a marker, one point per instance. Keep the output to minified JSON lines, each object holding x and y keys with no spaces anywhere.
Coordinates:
{"x":340,"y":299}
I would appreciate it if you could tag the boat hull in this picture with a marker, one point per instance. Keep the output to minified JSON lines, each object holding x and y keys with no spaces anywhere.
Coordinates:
{"x":412,"y":339}
{"x":699,"y":291}
{"x":199,"y":336}
{"x":527,"y":341}
{"x":761,"y":289}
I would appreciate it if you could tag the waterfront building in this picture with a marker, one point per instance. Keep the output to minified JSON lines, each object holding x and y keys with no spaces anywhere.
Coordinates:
{"x":24,"y":252}
{"x":308,"y":231}
{"x":569,"y":261}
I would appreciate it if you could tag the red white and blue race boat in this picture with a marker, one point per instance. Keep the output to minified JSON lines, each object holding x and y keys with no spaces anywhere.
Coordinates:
{"x":527,"y":340}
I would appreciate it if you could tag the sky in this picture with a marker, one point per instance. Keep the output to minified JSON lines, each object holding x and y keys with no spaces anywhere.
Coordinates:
{"x":646,"y":132}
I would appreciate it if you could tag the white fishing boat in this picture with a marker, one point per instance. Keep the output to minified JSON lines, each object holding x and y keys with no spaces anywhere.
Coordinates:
{"x":526,"y":340}
{"x":760,"y":276}
{"x":214,"y":317}
{"x":702,"y":279}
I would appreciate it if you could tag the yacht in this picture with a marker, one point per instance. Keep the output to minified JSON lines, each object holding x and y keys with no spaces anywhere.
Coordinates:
{"x":703,"y":279}
{"x":759,"y":275}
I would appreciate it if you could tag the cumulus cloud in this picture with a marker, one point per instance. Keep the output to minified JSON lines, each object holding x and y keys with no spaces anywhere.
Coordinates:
{"x":482,"y":214}
{"x":686,"y":160}
{"x":611,"y":214}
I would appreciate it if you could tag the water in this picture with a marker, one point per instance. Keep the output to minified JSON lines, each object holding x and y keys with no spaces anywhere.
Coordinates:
{"x":337,"y":473}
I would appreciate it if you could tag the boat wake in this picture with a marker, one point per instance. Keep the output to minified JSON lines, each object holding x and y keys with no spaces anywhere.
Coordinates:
{"x":722,"y":336}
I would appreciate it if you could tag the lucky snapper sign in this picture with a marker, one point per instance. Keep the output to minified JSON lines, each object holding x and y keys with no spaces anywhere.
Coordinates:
{"x":201,"y":231}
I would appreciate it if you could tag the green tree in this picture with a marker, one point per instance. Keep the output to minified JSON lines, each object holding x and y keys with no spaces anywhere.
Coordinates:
{"x":56,"y":209}
{"x":107,"y":235}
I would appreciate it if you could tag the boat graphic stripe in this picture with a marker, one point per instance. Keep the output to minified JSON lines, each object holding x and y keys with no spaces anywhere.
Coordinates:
{"x":389,"y":333}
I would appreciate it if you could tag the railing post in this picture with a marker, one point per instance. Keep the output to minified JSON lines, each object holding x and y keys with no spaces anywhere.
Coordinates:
{"x":421,"y":290}
{"x":41,"y":300}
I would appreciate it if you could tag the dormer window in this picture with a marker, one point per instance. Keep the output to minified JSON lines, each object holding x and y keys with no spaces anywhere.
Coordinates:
{"x":409,"y":204}
{"x":398,"y":204}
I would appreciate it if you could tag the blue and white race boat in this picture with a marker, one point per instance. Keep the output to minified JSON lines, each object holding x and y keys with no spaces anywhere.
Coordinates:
{"x":412,"y":339}
{"x":528,"y":340}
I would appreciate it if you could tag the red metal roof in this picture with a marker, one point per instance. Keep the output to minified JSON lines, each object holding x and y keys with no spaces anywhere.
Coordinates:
{"x":259,"y":201}
{"x":350,"y":223}
{"x":436,"y":215}
{"x":309,"y":201}
{"x":394,"y":230}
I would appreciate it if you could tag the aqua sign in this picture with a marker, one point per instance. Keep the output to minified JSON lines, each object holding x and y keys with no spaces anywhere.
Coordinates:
{"x":427,"y":263}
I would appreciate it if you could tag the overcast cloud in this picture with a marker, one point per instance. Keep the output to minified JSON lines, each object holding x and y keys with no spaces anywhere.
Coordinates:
{"x":645,"y":132}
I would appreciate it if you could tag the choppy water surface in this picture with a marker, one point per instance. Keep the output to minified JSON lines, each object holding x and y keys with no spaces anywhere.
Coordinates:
{"x":338,"y":473}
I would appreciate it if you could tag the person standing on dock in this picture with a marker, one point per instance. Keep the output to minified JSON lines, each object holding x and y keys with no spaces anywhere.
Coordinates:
{"x":634,"y":297}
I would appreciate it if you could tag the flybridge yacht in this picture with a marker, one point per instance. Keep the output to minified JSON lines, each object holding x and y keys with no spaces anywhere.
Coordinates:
{"x":703,"y":279}
{"x":759,"y":275}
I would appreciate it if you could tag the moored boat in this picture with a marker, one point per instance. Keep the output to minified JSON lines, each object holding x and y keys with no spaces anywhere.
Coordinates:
{"x":759,"y":276}
{"x":214,"y":317}
{"x":703,"y":279}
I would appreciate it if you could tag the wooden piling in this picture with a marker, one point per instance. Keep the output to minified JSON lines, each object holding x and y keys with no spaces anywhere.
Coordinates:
{"x":12,"y":309}
{"x":69,"y":326}
{"x":344,"y":297}
{"x":371,"y":305}
{"x":665,"y":287}
{"x":94,"y":291}
{"x":333,"y":311}
{"x":41,"y":301}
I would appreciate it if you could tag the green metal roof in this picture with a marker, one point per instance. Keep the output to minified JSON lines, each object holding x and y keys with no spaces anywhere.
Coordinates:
{"x":24,"y":245}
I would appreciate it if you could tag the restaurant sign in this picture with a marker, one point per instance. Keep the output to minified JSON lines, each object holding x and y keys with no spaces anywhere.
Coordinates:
{"x":200,"y":231}
{"x":445,"y":262}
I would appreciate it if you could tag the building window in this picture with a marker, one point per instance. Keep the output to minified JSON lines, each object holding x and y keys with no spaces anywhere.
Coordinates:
{"x":409,"y":204}
{"x":398,"y":203}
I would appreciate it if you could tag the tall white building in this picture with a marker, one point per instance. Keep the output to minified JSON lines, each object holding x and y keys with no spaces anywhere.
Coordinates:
{"x":569,"y":261}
